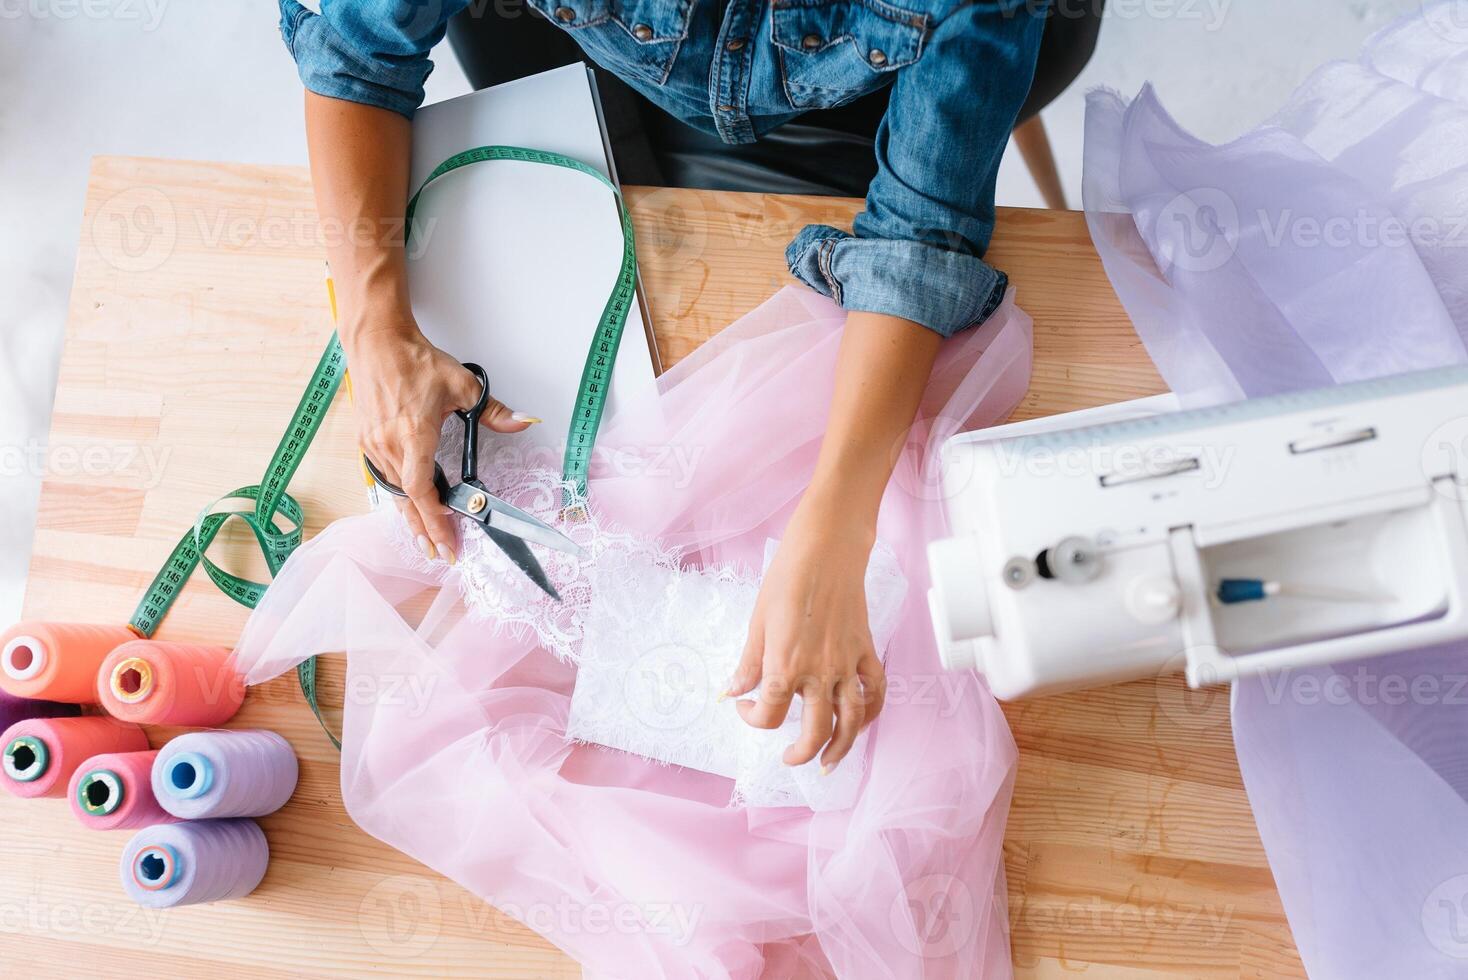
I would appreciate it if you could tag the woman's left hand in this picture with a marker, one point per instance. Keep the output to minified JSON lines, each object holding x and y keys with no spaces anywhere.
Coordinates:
{"x":809,"y":636}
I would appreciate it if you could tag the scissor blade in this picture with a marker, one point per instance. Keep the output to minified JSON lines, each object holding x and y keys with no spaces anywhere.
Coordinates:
{"x":519,"y":553}
{"x":531,"y":529}
{"x":509,"y":518}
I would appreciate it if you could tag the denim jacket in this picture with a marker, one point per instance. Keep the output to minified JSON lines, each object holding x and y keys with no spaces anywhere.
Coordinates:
{"x":959,"y":71}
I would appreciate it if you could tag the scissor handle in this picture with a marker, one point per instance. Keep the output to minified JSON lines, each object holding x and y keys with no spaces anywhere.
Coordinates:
{"x":469,"y":464}
{"x":440,"y":480}
{"x":381,"y":480}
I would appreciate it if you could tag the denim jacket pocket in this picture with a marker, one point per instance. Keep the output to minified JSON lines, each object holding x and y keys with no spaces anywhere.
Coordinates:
{"x":642,"y":36}
{"x":830,"y":53}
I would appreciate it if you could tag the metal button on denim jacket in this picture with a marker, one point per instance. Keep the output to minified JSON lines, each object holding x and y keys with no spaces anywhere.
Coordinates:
{"x":959,"y":71}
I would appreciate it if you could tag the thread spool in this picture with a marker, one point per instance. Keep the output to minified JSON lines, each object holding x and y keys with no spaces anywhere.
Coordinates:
{"x":154,"y":683}
{"x":204,"y":775}
{"x":13,"y":709}
{"x":194,"y":862}
{"x":115,"y":792}
{"x":39,"y":756}
{"x":57,"y":661}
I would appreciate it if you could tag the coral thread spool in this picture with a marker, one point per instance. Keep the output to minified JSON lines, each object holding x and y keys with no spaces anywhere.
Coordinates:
{"x":57,"y":661}
{"x":39,"y":756}
{"x":194,"y":862}
{"x":246,"y":773}
{"x":13,"y":709}
{"x":154,"y":683}
{"x":115,"y":792}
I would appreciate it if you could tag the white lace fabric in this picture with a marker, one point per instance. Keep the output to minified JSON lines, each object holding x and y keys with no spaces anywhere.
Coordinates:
{"x":654,"y":643}
{"x":494,"y":589}
{"x":659,"y":647}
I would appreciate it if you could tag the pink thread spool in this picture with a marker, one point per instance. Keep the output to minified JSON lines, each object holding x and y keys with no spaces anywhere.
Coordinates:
{"x":39,"y":756}
{"x":57,"y":661}
{"x":150,"y":682}
{"x":194,"y":862}
{"x":115,"y":792}
{"x":243,"y":773}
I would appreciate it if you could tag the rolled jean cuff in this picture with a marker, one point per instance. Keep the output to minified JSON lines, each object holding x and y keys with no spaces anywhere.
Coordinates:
{"x":331,"y":66}
{"x":942,"y":290}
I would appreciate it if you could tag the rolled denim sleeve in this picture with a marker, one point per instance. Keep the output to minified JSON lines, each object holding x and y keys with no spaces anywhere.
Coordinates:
{"x":370,"y":51}
{"x":917,"y":249}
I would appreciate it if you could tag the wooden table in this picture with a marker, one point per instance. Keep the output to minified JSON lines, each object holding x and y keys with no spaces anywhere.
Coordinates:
{"x":197,"y":313}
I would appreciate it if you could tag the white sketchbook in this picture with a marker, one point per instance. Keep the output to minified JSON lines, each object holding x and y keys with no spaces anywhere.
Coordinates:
{"x":511,"y":263}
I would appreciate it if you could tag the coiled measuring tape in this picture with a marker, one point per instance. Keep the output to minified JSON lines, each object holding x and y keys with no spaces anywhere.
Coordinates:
{"x":269,"y":498}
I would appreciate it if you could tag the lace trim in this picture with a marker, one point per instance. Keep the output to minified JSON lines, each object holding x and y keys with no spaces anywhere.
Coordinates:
{"x":655,"y":642}
{"x":493,"y":588}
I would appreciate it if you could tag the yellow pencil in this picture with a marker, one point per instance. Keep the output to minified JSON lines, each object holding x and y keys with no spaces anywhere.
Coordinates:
{"x":347,"y":376}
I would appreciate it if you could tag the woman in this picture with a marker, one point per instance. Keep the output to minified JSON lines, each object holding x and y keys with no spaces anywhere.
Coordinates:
{"x":910,"y":273}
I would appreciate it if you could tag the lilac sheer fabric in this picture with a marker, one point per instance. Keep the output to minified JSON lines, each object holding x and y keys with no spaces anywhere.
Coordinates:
{"x":1328,"y":245}
{"x":454,"y":731}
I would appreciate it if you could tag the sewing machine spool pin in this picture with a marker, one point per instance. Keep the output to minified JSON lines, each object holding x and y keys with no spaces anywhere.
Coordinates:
{"x":1074,"y":560}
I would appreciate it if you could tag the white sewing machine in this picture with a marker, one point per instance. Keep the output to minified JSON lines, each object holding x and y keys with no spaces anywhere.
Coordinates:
{"x":1295,"y":530}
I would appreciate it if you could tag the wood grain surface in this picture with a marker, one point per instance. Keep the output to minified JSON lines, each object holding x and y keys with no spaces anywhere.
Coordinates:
{"x":196,"y":314}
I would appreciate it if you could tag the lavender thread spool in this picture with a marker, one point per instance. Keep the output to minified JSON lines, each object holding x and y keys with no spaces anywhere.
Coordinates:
{"x":194,"y":862}
{"x":220,"y":774}
{"x":14,"y":709}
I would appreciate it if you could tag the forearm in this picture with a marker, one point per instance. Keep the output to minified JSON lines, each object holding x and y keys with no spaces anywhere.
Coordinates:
{"x":403,"y":387}
{"x":881,"y":371}
{"x":359,"y":167}
{"x":809,"y":632}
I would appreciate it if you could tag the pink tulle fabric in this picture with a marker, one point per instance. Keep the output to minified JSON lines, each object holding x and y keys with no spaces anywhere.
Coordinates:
{"x":459,"y":756}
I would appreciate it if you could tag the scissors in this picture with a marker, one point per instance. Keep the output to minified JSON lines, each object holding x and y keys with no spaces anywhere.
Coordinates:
{"x":507,"y":525}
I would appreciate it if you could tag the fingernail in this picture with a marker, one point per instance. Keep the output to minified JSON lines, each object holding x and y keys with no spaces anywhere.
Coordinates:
{"x":826,"y":770}
{"x":724,"y":696}
{"x":425,"y":546}
{"x":522,"y":417}
{"x":446,"y":553}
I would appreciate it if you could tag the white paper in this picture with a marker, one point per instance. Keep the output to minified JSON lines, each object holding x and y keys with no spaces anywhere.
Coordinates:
{"x":511,"y":263}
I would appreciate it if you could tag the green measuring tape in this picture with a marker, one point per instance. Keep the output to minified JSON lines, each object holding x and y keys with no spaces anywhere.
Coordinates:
{"x":596,"y":374}
{"x":269,"y":499}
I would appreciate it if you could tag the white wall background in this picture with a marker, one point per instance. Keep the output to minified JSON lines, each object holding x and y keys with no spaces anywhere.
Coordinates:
{"x":209,"y":79}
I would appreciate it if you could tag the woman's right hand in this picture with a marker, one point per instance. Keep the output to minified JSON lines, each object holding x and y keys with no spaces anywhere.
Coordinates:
{"x":403,"y":388}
